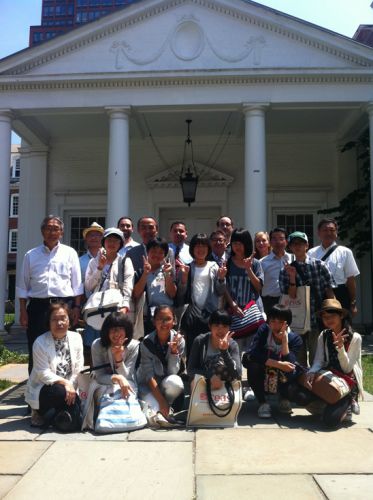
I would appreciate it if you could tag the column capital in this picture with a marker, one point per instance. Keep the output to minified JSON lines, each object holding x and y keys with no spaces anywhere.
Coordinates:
{"x":6,"y":114}
{"x":254,"y":107}
{"x":118,"y":111}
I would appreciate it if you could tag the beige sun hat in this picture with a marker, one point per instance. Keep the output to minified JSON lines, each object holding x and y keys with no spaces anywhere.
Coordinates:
{"x":93,"y":227}
{"x":332,"y":305}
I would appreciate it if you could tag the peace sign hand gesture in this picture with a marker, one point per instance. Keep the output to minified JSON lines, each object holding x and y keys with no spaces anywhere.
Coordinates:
{"x":222,"y":271}
{"x":224,"y":342}
{"x":147,"y":267}
{"x":339,"y":338}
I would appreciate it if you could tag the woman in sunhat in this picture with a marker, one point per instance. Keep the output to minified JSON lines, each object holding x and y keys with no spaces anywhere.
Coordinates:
{"x":338,"y":350}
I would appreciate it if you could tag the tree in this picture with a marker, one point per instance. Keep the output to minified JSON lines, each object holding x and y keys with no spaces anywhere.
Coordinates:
{"x":353,"y":213}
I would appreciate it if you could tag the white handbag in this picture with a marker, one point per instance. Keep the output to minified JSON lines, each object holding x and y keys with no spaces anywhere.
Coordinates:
{"x":200,"y":413}
{"x":101,"y":304}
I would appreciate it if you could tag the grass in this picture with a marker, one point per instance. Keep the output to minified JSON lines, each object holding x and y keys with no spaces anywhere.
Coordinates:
{"x":367,"y":362}
{"x":4,"y":384}
{"x":7,"y":356}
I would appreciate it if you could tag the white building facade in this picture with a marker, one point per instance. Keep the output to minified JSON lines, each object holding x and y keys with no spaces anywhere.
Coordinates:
{"x":101,"y":111}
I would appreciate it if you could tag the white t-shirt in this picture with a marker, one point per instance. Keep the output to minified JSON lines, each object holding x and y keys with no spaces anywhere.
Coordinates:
{"x":341,"y":262}
{"x":201,"y":285}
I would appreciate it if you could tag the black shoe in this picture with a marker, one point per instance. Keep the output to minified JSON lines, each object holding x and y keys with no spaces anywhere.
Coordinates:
{"x":63,"y":421}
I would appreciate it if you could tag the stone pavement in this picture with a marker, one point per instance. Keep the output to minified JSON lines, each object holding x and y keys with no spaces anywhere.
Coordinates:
{"x":283,"y":458}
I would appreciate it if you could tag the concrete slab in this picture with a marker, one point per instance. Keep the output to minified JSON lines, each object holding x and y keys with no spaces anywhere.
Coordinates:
{"x":260,"y":487}
{"x":7,"y":483}
{"x":289,"y":451}
{"x":248,"y":417}
{"x":50,"y":435}
{"x":97,"y":470}
{"x":14,"y":372}
{"x":12,"y":411}
{"x":346,"y":487}
{"x":18,"y":456}
{"x":18,"y":429}
{"x":161,"y":435}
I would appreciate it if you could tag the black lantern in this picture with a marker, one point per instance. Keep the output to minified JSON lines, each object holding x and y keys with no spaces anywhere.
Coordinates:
{"x":188,"y":174}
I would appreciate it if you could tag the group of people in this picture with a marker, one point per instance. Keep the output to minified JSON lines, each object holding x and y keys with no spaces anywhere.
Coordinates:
{"x":179,"y":302}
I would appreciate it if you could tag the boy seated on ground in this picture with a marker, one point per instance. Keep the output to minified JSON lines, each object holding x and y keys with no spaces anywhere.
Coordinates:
{"x":271,"y":360}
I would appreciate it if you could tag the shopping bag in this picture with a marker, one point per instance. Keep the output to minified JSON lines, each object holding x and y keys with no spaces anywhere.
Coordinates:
{"x":300,"y":308}
{"x":202,"y":414}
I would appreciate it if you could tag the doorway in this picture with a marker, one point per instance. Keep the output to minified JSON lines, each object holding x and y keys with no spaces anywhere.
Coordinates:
{"x":197,"y":220}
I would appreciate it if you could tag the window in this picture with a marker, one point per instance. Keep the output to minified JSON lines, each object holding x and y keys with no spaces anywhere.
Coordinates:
{"x":16,"y":168}
{"x":76,"y":230}
{"x":13,"y":236}
{"x":14,"y":204}
{"x":297,"y":222}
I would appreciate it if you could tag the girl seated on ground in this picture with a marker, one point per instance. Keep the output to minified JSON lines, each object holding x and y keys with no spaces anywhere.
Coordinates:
{"x":51,"y":390}
{"x":161,"y":354}
{"x":270,"y":361}
{"x":215,"y":354}
{"x":118,"y":351}
{"x":338,"y":350}
{"x":156,"y":279}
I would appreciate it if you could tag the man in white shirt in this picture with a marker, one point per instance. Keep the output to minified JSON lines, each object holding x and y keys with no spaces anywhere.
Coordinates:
{"x":178,"y":237}
{"x":272,"y":265}
{"x":125,"y":224}
{"x":50,"y":273}
{"x":340,"y":262}
{"x":225,"y":224}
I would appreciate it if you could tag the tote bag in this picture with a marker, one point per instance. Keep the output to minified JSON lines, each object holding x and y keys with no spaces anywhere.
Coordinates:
{"x":300,"y":308}
{"x":245,"y":325}
{"x":117,"y":414}
{"x":200,"y":413}
{"x":101,"y":304}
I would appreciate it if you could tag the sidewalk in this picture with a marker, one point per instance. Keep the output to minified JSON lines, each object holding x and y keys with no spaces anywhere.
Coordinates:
{"x":283,"y":457}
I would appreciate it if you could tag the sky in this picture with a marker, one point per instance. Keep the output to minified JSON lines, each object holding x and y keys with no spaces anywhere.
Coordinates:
{"x":341,"y":16}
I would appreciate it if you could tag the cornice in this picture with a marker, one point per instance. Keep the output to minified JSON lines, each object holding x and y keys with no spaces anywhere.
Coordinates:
{"x":183,"y":81}
{"x":142,"y":13}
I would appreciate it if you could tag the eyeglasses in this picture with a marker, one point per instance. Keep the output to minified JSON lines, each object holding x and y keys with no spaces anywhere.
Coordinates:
{"x":60,"y":320}
{"x":215,"y":240}
{"x":52,"y":229}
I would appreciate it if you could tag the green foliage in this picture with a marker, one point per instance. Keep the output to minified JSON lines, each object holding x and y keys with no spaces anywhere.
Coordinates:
{"x":367,"y":362}
{"x":4,"y":384}
{"x":7,"y":356}
{"x":353,"y":211}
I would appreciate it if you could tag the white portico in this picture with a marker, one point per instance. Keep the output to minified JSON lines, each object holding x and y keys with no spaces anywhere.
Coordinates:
{"x":102,"y":109}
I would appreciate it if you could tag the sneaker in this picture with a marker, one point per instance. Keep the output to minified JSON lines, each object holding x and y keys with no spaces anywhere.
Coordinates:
{"x":355,"y":407}
{"x":249,"y":395}
{"x":284,"y":406}
{"x":264,"y":411}
{"x":316,"y":407}
{"x":36,"y":419}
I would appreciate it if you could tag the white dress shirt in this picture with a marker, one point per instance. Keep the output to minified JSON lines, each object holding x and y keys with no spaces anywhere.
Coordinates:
{"x":341,"y":262}
{"x":50,"y":273}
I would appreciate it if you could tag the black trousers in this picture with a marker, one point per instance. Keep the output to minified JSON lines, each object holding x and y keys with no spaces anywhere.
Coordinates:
{"x":269,"y":302}
{"x":53,"y":397}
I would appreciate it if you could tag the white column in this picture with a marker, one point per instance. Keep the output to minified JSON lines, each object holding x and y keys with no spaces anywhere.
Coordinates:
{"x":255,"y":190}
{"x":119,"y":164}
{"x":370,"y":113}
{"x":5,"y":143}
{"x":33,"y":202}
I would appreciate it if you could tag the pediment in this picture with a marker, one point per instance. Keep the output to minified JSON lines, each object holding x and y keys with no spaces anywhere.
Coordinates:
{"x":208,"y":177}
{"x":167,"y":37}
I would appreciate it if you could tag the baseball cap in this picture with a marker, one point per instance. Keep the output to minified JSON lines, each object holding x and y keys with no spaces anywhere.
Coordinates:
{"x":297,"y":235}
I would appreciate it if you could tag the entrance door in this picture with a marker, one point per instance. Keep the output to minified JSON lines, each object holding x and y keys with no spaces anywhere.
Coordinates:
{"x":197,"y":220}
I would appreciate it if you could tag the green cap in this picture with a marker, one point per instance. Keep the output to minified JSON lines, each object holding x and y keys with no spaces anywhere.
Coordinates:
{"x":299,"y":235}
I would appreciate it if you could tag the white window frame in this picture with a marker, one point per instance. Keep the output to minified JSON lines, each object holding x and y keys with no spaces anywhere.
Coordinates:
{"x":16,"y":167}
{"x":14,"y":196}
{"x":11,"y":249}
